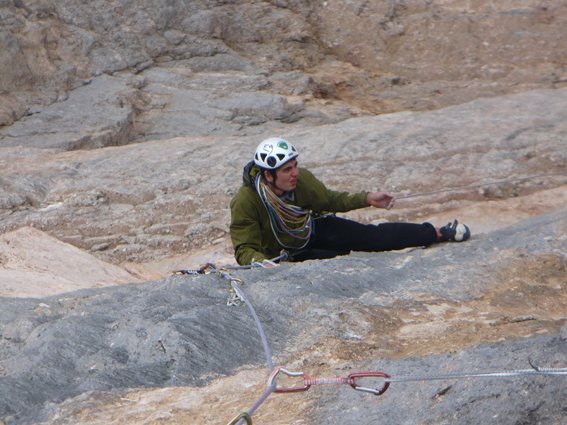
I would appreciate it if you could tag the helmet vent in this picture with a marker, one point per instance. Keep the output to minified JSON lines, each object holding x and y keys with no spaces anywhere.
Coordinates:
{"x":273,"y":153}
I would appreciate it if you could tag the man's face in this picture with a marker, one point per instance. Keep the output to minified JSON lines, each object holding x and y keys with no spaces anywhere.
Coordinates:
{"x":286,"y":177}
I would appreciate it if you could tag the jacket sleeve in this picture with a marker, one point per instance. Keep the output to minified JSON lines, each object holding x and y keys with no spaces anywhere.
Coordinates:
{"x":326,"y":200}
{"x":345,"y":201}
{"x":245,"y":230}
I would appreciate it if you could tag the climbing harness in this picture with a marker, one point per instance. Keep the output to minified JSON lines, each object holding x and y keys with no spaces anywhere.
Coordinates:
{"x":285,"y":219}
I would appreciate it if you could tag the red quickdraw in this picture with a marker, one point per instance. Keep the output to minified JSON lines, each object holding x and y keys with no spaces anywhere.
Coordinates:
{"x":308,"y":381}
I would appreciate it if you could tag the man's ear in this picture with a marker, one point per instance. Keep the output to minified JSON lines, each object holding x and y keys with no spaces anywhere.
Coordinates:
{"x":268,"y":176}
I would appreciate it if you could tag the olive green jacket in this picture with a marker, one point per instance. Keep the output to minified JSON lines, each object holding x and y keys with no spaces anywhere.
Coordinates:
{"x":250,"y":230}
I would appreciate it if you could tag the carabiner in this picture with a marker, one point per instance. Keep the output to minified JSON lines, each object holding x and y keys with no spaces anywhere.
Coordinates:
{"x":237,"y":418}
{"x":272,"y":381}
{"x":353,"y":376}
{"x":207,"y":268}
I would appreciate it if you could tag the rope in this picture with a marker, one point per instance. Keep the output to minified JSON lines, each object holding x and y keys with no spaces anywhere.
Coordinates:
{"x":351,"y":379}
{"x":247,"y":416}
{"x":267,"y":352}
{"x":262,"y":398}
{"x":385,"y":380}
{"x":477,"y":185}
{"x":244,"y":417}
{"x":211,"y":268}
{"x":493,"y":374}
{"x":285,"y":218}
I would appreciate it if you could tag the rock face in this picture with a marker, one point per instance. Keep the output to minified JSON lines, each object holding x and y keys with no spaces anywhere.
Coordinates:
{"x":148,"y":201}
{"x":384,"y":56}
{"x":205,"y":81}
{"x":496,"y":302}
{"x":124,"y":127}
{"x":37,"y":265}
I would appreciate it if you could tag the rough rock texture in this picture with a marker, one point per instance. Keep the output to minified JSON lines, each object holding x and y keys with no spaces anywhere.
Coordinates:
{"x":93,"y":116}
{"x":202,"y":82}
{"x":454,"y":307}
{"x":382,"y":56}
{"x":173,"y":202}
{"x":124,"y":127}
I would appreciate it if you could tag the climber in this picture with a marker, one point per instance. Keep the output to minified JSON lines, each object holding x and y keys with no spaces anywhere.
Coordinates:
{"x":283,"y":207}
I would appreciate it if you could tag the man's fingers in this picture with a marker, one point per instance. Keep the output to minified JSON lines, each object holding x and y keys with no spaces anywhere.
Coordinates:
{"x":381,"y":200}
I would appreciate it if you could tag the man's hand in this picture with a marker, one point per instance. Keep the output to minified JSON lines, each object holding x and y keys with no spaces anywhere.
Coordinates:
{"x":380,"y":200}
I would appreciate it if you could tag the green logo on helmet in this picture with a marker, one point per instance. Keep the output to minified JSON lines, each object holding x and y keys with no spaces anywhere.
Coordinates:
{"x":283,"y":145}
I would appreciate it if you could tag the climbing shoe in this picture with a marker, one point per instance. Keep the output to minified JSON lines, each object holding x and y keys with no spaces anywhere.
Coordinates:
{"x":455,"y":232}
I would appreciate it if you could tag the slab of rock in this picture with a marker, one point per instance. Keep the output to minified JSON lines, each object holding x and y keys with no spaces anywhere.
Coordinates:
{"x":380,"y":57}
{"x":34,"y":264}
{"x":495,"y":302}
{"x":95,"y":115}
{"x":149,"y":201}
{"x":200,"y":84}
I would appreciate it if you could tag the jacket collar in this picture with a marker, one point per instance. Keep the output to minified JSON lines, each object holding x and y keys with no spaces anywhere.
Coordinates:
{"x":249,"y":174}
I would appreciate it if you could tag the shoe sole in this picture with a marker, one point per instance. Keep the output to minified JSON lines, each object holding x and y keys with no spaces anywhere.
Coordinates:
{"x":462,"y":233}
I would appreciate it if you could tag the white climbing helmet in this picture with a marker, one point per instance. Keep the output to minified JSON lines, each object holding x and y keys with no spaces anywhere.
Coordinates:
{"x":274,"y":152}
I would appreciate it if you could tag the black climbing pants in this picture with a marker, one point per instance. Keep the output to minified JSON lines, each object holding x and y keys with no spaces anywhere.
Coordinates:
{"x":334,"y":236}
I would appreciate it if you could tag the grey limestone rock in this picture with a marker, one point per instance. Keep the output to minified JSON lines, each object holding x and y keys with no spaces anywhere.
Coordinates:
{"x":179,"y":331}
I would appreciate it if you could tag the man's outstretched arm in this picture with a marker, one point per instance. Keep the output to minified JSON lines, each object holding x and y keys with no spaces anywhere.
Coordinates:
{"x":380,"y":200}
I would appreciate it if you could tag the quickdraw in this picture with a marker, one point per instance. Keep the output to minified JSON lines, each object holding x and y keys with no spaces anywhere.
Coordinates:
{"x":234,"y":299}
{"x":353,"y":379}
{"x":308,"y":381}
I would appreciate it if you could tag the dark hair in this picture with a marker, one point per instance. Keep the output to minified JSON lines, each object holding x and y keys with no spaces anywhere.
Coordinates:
{"x":271,"y":171}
